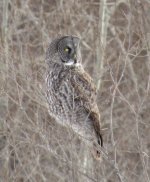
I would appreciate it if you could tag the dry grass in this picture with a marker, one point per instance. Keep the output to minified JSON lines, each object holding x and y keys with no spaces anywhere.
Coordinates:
{"x":115,"y":43}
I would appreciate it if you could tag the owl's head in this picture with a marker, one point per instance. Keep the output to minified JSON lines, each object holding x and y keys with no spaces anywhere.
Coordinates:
{"x":64,"y":51}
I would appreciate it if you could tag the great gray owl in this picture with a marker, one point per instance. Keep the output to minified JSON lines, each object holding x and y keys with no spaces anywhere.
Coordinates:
{"x":71,"y":93}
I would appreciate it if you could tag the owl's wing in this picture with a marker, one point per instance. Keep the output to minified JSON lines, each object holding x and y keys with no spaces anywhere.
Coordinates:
{"x":86,"y":91}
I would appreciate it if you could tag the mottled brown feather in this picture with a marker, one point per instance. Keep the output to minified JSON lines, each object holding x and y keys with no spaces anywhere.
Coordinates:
{"x":71,"y":93}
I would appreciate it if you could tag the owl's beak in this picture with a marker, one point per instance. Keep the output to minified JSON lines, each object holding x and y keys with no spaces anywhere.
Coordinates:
{"x":72,"y":60}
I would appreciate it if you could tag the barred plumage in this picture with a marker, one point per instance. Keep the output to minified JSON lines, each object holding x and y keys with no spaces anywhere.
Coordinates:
{"x":71,"y":94}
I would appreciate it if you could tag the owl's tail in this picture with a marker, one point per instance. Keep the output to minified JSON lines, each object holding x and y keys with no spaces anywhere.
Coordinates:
{"x":97,"y":155}
{"x":100,"y":140}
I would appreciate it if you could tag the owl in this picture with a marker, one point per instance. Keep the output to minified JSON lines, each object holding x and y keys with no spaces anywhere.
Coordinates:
{"x":71,"y":93}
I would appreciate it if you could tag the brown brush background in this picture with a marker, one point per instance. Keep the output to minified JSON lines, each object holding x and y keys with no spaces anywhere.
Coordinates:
{"x":115,"y":44}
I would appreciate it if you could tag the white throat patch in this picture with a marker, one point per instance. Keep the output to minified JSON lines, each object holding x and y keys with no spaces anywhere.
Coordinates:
{"x":70,"y":63}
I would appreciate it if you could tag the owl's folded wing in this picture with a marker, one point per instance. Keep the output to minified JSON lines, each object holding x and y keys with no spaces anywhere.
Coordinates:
{"x":84,"y":86}
{"x":86,"y":91}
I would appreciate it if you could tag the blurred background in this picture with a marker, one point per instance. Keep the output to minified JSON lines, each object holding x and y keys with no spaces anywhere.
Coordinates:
{"x":115,"y":45}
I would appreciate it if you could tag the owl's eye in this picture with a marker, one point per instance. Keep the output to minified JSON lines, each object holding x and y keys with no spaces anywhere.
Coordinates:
{"x":67,"y":49}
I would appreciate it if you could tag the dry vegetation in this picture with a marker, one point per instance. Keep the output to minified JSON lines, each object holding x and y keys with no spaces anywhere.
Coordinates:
{"x":115,"y":43}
